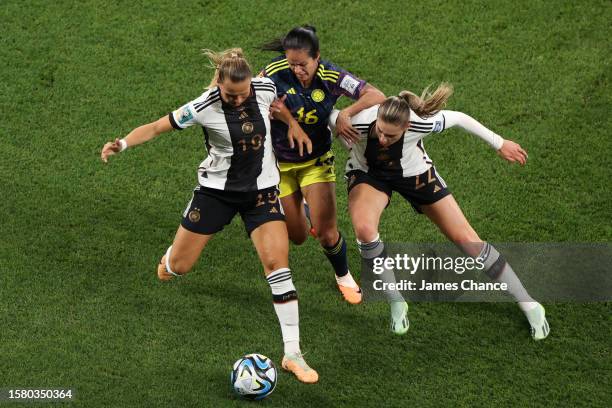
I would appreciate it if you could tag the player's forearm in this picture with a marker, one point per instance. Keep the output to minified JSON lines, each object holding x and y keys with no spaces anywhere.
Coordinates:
{"x":147,"y":132}
{"x":471,"y":125}
{"x":369,"y":96}
{"x":285,"y":116}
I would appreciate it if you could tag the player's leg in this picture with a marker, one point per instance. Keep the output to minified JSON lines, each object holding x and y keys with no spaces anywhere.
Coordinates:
{"x":295,"y":216}
{"x":449,"y":218}
{"x":206,"y":213}
{"x":291,"y":198}
{"x":182,"y":255}
{"x":321,"y":198}
{"x":268,"y":232}
{"x":366,"y":205}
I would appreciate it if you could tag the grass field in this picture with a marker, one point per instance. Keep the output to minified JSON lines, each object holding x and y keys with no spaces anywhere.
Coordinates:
{"x":80,"y":305}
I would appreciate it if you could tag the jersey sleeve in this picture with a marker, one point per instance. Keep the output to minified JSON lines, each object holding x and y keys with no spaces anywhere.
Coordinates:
{"x":273,"y":71}
{"x":187,"y":115}
{"x":432,"y":124}
{"x":265,"y":89}
{"x":471,"y":125}
{"x":341,"y":82}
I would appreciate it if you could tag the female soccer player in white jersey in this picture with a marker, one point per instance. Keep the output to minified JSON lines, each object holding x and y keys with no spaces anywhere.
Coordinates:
{"x":240,"y":175}
{"x":390,"y":157}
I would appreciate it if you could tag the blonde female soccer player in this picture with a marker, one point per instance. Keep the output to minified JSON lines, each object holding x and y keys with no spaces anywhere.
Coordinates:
{"x":239,"y":176}
{"x":310,"y":87}
{"x":390,"y":156}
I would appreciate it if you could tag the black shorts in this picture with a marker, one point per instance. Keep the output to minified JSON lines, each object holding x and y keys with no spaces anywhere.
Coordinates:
{"x":424,"y":189}
{"x":210,"y":209}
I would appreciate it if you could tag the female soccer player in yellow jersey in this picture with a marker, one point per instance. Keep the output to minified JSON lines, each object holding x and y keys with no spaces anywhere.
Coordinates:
{"x":390,"y":156}
{"x":310,"y":88}
{"x":239,"y":175}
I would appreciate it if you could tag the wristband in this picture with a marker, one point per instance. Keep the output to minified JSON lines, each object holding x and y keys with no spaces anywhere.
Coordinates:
{"x":123,"y":144}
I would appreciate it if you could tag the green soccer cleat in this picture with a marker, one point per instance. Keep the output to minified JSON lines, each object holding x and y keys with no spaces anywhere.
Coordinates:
{"x":539,"y":325}
{"x":399,"y":318}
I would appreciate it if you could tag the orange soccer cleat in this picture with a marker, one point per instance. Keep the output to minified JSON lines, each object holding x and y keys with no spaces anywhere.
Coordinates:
{"x":295,"y":364}
{"x":351,"y":295}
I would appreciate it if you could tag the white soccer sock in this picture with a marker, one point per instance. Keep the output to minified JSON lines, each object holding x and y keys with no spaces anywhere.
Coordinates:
{"x":347,"y":280}
{"x":500,"y":271}
{"x":168,"y":269}
{"x":285,"y":301}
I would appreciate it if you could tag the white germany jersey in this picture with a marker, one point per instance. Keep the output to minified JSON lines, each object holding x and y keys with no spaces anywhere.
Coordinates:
{"x":240,"y":155}
{"x":405,"y":158}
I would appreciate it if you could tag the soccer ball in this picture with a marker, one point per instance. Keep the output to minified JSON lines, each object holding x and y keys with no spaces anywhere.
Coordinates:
{"x":253,"y":377}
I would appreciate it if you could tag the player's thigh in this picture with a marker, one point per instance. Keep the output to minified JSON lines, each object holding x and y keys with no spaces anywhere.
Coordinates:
{"x":272,"y":245}
{"x":207,"y":213}
{"x":295,"y":217}
{"x":366,"y":205}
{"x":186,"y":249}
{"x":451,"y":221}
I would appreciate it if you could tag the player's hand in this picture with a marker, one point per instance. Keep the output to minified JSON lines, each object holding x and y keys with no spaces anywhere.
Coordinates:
{"x":109,"y":149}
{"x":275,"y":107}
{"x":513,"y":152}
{"x":296,"y":135}
{"x":345,"y":130}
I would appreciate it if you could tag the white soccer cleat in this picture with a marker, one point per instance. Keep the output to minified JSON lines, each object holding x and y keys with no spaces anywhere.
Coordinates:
{"x":539,"y":325}
{"x":399,"y":318}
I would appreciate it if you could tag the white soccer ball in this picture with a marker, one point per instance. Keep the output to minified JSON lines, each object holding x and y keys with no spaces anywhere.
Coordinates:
{"x":253,"y":377}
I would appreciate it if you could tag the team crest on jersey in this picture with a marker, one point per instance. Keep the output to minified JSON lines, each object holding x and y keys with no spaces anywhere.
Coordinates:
{"x":317,"y":95}
{"x":194,"y":215}
{"x":247,"y":128}
{"x":437,"y":126}
{"x":184,"y":115}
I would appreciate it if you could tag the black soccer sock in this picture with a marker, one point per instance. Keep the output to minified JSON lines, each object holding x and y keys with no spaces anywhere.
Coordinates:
{"x":337,"y":256}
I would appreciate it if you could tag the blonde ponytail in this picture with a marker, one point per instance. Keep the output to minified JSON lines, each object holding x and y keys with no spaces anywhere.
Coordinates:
{"x":396,"y":109}
{"x":428,"y":104}
{"x":230,"y":64}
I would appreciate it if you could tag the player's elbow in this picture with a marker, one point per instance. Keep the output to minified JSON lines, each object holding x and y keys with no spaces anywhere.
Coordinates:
{"x":375,"y":95}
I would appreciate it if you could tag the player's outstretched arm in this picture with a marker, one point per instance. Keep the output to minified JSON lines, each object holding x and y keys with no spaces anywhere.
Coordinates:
{"x":137,"y":136}
{"x":507,"y":149}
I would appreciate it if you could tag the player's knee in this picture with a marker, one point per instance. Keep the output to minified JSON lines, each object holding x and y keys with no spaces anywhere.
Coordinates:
{"x":365,"y":232}
{"x":327,"y":236}
{"x":298,"y":238}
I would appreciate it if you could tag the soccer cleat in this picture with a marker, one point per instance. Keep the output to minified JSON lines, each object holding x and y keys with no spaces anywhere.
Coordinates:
{"x":295,"y":364}
{"x":351,"y":295}
{"x":539,"y":325}
{"x":162,"y":273}
{"x":399,"y":318}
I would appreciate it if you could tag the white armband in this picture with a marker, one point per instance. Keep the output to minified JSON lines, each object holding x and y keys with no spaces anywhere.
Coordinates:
{"x":471,"y":125}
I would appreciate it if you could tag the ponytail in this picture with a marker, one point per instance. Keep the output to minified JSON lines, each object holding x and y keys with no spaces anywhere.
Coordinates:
{"x":229,"y":64}
{"x":396,"y":109}
{"x":299,"y":38}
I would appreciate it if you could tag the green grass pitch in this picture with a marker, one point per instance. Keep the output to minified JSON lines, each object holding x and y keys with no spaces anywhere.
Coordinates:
{"x":80,"y":305}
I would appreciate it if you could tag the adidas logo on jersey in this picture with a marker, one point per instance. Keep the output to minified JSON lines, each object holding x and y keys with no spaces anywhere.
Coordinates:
{"x":291,"y":91}
{"x":243,"y":115}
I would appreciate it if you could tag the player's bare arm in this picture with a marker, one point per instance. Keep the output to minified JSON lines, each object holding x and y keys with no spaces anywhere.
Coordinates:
{"x":369,"y":96}
{"x":137,"y":136}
